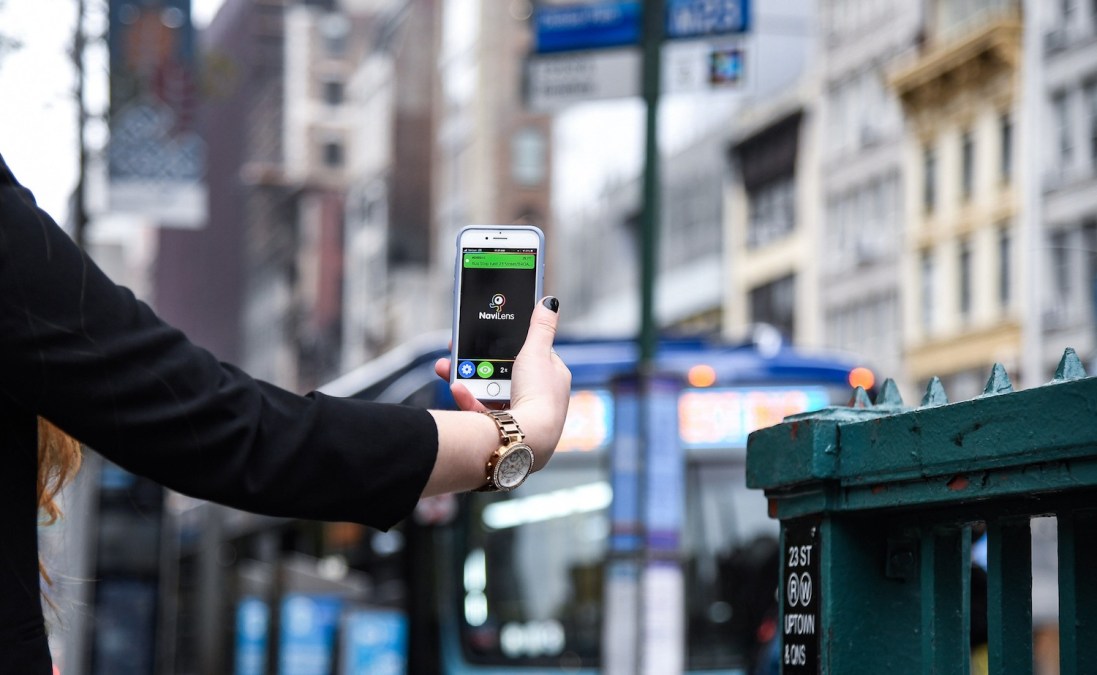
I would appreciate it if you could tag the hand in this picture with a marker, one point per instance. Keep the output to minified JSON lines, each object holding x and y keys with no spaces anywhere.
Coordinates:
{"x":540,"y":385}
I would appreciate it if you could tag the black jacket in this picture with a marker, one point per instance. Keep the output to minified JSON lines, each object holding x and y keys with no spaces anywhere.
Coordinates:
{"x":85,"y":354}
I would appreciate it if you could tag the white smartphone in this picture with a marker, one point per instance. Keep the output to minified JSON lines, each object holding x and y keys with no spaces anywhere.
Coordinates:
{"x":499,"y":275}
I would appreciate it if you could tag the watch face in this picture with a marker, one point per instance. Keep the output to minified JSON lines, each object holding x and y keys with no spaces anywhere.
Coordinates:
{"x":514,"y":467}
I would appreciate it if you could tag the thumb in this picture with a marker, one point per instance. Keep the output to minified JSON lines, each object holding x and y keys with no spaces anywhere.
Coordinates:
{"x":542,"y":326}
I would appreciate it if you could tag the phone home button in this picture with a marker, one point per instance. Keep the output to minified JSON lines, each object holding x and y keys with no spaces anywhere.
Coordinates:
{"x":493,"y":388}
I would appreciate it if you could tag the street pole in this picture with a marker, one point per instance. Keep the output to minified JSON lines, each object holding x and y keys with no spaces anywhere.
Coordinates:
{"x":79,"y":209}
{"x":649,"y":216}
{"x":652,"y":637}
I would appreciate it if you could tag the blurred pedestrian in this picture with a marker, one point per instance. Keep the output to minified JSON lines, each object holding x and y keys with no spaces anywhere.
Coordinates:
{"x":82,"y":358}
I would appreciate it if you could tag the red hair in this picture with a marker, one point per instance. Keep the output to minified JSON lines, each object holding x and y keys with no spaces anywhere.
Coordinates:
{"x":58,"y":460}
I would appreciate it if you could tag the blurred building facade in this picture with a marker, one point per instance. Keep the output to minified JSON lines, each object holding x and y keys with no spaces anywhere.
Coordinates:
{"x":492,"y":160}
{"x":771,"y":251}
{"x":962,"y":306}
{"x":597,"y":269}
{"x":1068,"y":180}
{"x":390,"y":200}
{"x":861,"y":130}
{"x":295,"y":169}
{"x":948,"y":208}
{"x":699,"y":289}
{"x":343,"y":171}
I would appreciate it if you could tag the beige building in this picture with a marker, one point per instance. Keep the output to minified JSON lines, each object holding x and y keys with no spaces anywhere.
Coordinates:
{"x":772,"y":247}
{"x":961,"y":267}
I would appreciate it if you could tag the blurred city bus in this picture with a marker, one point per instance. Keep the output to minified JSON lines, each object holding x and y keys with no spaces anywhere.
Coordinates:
{"x":517,"y":582}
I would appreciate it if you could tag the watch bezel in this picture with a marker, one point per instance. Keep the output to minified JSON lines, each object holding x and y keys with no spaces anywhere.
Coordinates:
{"x":505,"y":453}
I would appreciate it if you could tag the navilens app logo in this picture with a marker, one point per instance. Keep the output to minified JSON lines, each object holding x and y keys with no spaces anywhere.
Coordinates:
{"x":496,"y":304}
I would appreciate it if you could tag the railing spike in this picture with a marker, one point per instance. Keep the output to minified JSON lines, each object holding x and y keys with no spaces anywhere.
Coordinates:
{"x":1070,"y":367}
{"x":935,"y":393}
{"x":999,"y":381}
{"x":860,"y":399}
{"x":889,"y":395}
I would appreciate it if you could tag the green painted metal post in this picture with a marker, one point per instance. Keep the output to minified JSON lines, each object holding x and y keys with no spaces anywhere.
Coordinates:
{"x":1009,"y":595}
{"x":881,"y":499}
{"x":654,"y":11}
{"x":877,"y":609}
{"x":1077,"y":593}
{"x":946,"y":600}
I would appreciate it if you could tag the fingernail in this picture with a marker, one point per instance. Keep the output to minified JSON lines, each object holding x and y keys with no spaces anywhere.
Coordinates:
{"x":552,"y":303}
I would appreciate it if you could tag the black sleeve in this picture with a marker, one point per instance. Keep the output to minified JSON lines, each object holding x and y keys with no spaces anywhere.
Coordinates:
{"x":87,"y":355}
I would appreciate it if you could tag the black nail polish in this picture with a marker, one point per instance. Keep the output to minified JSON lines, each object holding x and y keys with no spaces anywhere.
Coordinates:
{"x":552,"y":303}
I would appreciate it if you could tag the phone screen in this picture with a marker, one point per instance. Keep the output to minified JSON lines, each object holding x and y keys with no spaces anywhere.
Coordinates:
{"x":497,"y":296}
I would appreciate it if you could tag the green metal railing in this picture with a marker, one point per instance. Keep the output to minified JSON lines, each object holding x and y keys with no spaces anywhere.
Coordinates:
{"x":877,"y":505}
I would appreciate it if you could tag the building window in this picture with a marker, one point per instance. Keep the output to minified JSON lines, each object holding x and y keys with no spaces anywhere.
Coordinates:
{"x":335,"y":28}
{"x":528,"y":157}
{"x":333,"y":154}
{"x":967,"y":165}
{"x":1089,"y":248}
{"x":927,"y":292}
{"x":965,"y":279}
{"x":1091,"y":114}
{"x":1004,"y":263}
{"x":1060,"y":265}
{"x":772,"y":211}
{"x":1062,"y":128}
{"x":929,"y":179}
{"x":333,"y":92}
{"x":1005,"y":128}
{"x":1068,"y":8}
{"x":775,"y":303}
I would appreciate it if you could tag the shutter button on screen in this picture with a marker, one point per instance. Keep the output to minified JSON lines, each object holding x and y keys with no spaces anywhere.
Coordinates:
{"x":493,"y":388}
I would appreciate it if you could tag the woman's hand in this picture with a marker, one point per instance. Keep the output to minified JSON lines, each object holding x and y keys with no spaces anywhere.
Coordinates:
{"x":540,"y":385}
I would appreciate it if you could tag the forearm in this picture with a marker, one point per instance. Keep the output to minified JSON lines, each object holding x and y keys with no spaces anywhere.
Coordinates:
{"x":465,"y":442}
{"x":88,"y":356}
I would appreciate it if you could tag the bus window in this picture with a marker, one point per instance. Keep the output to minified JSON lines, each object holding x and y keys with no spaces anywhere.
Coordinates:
{"x":730,"y":556}
{"x":531,"y":576}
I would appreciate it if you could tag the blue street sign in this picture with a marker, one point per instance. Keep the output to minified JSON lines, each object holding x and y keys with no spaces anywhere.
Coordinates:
{"x":699,"y":18}
{"x":252,"y":620}
{"x":309,"y":624}
{"x":375,"y":642}
{"x":560,"y":28}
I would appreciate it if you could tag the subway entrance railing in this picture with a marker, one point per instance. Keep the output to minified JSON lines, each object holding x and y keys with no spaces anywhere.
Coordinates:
{"x":877,"y":503}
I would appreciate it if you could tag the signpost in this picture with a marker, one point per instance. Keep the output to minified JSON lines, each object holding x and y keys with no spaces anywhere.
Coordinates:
{"x":800,"y":594}
{"x":700,"y":18}
{"x":589,"y":27}
{"x":157,"y":158}
{"x":252,"y":626}
{"x":375,"y":642}
{"x":307,"y":640}
{"x":559,"y":28}
{"x":565,"y":79}
{"x":592,"y":52}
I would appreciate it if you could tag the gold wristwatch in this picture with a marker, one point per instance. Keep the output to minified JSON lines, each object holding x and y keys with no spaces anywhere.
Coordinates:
{"x":510,"y":465}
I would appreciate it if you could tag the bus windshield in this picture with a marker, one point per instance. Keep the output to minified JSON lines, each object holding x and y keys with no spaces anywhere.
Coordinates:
{"x":531,"y":571}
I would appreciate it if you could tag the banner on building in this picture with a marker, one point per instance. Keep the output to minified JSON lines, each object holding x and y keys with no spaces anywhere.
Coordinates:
{"x":156,"y":156}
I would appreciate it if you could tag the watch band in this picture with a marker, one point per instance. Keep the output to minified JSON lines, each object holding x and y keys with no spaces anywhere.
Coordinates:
{"x":509,"y":431}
